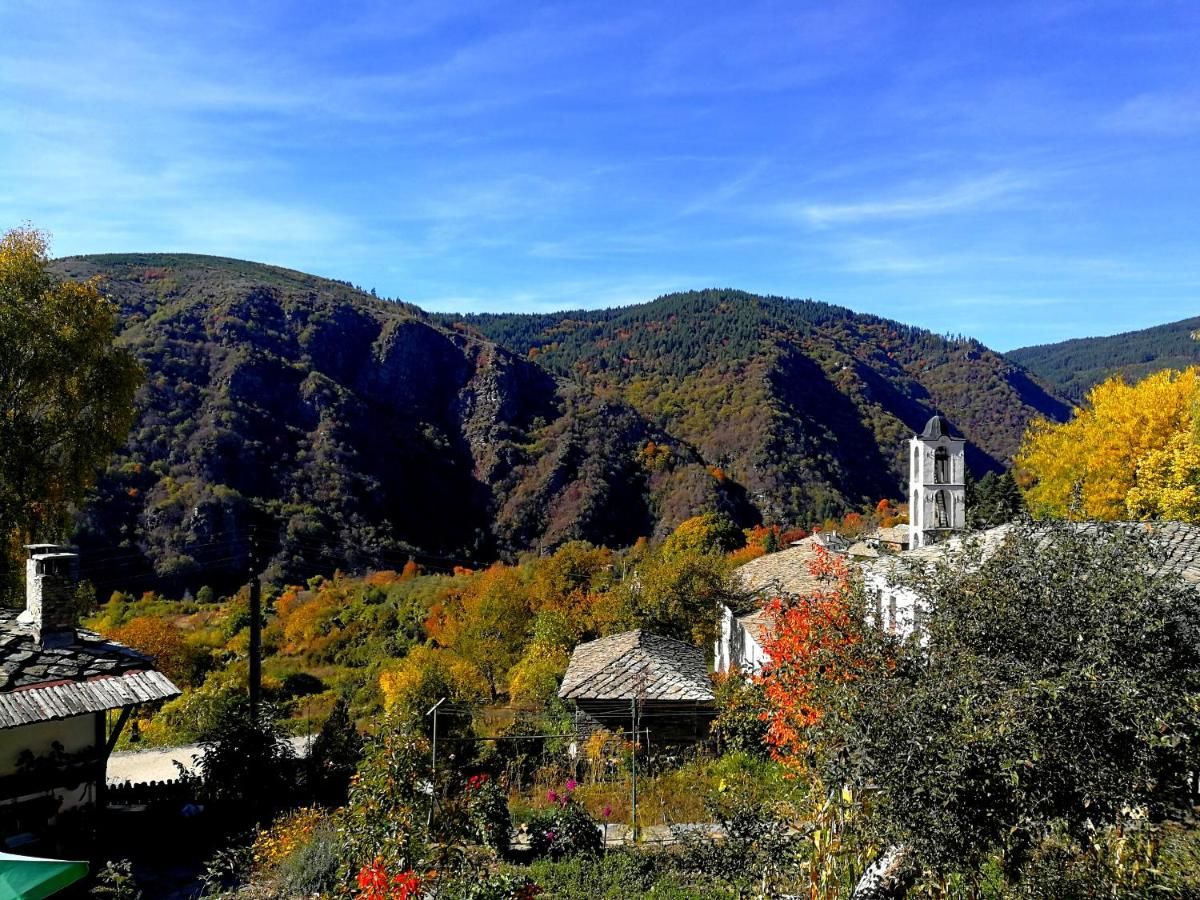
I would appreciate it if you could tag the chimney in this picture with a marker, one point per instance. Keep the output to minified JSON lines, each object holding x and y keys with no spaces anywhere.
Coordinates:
{"x":51,"y":576}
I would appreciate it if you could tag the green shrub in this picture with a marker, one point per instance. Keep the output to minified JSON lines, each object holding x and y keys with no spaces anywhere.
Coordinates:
{"x":564,"y":829}
{"x":312,"y":868}
{"x":487,"y":813}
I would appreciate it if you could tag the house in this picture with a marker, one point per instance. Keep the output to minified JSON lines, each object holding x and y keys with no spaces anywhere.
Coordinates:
{"x":662,"y":682}
{"x":899,"y":609}
{"x":59,"y":686}
{"x":784,"y":573}
{"x":892,"y":540}
{"x":826,"y":540}
{"x":937,"y":476}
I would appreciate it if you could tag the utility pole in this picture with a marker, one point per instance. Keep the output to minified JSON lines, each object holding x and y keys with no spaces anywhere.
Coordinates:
{"x":634,"y":720}
{"x":255,"y":645}
{"x":433,"y":711}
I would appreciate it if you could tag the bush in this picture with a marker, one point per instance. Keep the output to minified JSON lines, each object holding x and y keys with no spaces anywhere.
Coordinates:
{"x":619,"y":874}
{"x":564,"y":829}
{"x":494,"y":886}
{"x":247,"y":766}
{"x":487,"y":813}
{"x":116,"y":882}
{"x":385,"y":816}
{"x":335,"y":754}
{"x":311,"y":867}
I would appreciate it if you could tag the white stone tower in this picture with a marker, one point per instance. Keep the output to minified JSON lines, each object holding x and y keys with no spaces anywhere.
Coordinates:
{"x":937,"y":491}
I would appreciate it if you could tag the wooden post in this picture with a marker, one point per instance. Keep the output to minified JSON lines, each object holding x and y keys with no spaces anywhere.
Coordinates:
{"x":101,"y":730}
{"x":433,"y":711}
{"x":255,"y":645}
{"x":634,"y":721}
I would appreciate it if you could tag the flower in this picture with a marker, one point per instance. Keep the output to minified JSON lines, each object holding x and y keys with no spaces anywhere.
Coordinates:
{"x":572,"y":784}
{"x":552,"y":796}
{"x":607,"y":811}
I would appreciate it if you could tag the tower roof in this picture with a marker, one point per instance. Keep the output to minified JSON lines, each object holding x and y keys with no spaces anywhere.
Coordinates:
{"x":938,"y":426}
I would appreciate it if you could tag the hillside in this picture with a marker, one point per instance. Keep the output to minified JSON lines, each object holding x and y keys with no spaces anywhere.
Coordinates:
{"x":309,"y":423}
{"x":316,"y":426}
{"x":1075,"y":366}
{"x":805,"y":404}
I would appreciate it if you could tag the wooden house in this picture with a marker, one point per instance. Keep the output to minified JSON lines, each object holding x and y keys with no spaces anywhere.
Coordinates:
{"x":661,"y":683}
{"x":58,"y":686}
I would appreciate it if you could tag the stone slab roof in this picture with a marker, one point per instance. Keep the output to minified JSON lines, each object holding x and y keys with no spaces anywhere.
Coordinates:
{"x":896,"y":534}
{"x":1178,"y":541}
{"x":784,"y":572}
{"x":639,"y":665}
{"x":759,"y":623}
{"x":88,"y":675}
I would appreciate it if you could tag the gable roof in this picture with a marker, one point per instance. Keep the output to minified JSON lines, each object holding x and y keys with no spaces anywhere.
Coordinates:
{"x":1179,"y":543}
{"x":783,"y":572}
{"x":91,"y":674}
{"x":637,"y":665}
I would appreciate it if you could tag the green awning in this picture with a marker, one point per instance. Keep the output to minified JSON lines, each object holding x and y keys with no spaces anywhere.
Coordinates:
{"x":31,"y":878}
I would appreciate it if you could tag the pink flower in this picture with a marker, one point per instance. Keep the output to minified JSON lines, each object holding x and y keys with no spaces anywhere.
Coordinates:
{"x":607,"y":811}
{"x":552,"y":796}
{"x":572,"y":784}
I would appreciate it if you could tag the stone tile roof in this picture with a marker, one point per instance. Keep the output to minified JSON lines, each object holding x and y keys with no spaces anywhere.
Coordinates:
{"x":862,"y":550}
{"x":640,"y":665}
{"x":896,"y":534}
{"x":830,"y":540}
{"x":759,"y":623}
{"x":784,"y":572}
{"x":1178,"y":541}
{"x":91,"y":674}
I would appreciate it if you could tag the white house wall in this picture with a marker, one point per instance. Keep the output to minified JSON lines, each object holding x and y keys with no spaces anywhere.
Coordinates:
{"x":737,"y":647}
{"x":76,"y":734}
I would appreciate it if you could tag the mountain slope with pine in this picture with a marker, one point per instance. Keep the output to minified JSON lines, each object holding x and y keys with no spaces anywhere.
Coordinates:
{"x":806,"y":405}
{"x":306,"y":424}
{"x":303,"y":423}
{"x":1076,"y":366}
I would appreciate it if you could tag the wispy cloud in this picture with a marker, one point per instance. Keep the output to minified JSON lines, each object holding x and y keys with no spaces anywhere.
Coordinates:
{"x":1158,"y":114}
{"x":963,"y":196}
{"x":726,"y":191}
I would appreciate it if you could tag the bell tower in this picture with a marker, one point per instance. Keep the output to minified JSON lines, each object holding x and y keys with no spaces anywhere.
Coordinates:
{"x":937,"y":491}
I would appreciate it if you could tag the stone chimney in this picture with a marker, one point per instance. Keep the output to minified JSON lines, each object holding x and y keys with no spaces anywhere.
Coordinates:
{"x":51,"y":576}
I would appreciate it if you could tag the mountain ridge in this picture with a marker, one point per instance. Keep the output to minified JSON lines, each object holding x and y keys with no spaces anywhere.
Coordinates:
{"x":1076,"y":365}
{"x":307,"y":422}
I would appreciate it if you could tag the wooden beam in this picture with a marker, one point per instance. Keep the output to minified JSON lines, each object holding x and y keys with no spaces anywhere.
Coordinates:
{"x":116,"y":731}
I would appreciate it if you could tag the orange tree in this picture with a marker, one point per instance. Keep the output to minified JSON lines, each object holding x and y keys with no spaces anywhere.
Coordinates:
{"x":163,"y":641}
{"x":819,"y":642}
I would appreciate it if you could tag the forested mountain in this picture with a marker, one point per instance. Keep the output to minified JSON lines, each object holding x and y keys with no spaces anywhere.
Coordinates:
{"x":1075,"y":366}
{"x":314,"y":426}
{"x":806,"y":405}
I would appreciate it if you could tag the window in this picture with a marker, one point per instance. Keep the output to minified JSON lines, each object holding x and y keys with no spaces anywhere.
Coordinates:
{"x":941,"y":510}
{"x":941,"y":466}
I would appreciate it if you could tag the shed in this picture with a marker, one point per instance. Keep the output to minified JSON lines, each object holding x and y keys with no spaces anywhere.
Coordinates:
{"x":58,"y":684}
{"x":663,"y":681}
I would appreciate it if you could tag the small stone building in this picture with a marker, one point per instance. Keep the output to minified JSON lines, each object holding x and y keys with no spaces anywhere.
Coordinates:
{"x":661,"y":681}
{"x":58,"y":685}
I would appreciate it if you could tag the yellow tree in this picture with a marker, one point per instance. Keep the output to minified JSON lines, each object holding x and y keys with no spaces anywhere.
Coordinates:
{"x":1168,"y":482}
{"x":66,"y":391}
{"x":1102,"y":463}
{"x":486,"y":620}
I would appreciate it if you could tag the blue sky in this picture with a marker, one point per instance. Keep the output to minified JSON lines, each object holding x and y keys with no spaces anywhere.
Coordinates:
{"x":1018,"y":171}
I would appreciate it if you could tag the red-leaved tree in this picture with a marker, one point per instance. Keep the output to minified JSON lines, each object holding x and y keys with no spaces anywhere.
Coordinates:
{"x":816,"y":644}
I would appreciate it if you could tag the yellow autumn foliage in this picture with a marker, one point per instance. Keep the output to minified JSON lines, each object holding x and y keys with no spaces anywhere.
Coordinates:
{"x":426,"y":675}
{"x":1131,"y":451}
